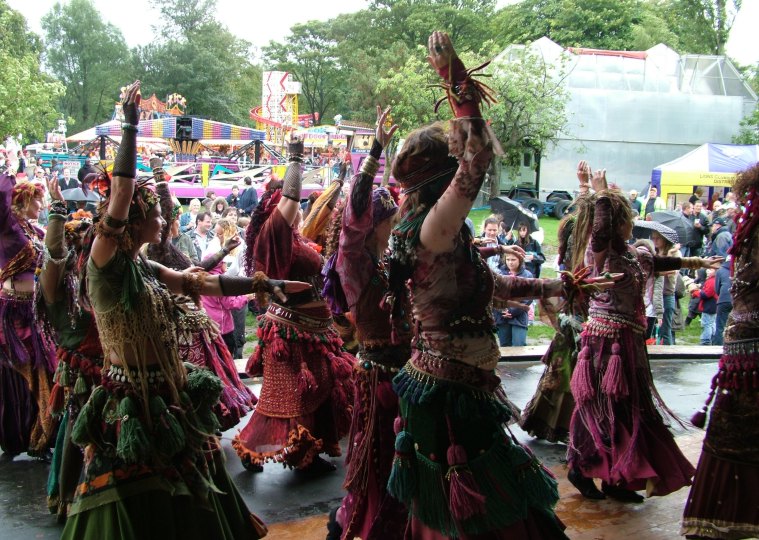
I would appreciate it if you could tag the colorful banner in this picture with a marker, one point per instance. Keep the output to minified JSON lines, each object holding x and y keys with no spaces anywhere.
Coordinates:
{"x":339,"y":141}
{"x":208,"y":129}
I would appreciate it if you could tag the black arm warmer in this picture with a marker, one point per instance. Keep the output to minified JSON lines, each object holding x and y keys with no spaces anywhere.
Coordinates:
{"x":293,"y":182}
{"x":213,"y":261}
{"x":361,"y":191}
{"x":125,"y":164}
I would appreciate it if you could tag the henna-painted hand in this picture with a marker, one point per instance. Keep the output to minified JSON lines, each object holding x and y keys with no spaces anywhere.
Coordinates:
{"x":383,"y":135}
{"x":598,"y":180}
{"x":295,"y":146}
{"x":583,"y":174}
{"x":131,"y":103}
{"x":441,"y":51}
{"x":713,"y":262}
{"x":54,"y":189}
{"x":279,"y":287}
{"x":232,"y":242}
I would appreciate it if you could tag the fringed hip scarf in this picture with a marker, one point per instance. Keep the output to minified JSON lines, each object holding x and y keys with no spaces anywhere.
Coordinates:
{"x":77,"y":373}
{"x":24,"y":338}
{"x":609,"y":325}
{"x":425,"y":376}
{"x":386,"y":358}
{"x":298,"y":354}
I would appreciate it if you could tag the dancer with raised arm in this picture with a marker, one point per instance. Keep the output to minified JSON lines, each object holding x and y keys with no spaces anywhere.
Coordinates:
{"x":27,"y":350}
{"x":306,"y":399}
{"x":460,"y":474}
{"x":723,"y":503}
{"x":361,"y":287}
{"x":80,"y":356}
{"x":153,"y":467}
{"x":617,"y":432}
{"x":199,"y":339}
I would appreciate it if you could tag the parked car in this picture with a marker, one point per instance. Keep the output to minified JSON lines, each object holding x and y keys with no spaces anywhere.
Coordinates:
{"x":557,"y":203}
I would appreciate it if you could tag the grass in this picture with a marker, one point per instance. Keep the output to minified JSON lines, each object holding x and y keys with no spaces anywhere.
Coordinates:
{"x":538,"y":333}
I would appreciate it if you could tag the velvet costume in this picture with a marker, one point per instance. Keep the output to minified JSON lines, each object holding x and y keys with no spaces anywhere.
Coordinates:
{"x":152,"y":467}
{"x":617,"y":432}
{"x":368,"y":511}
{"x":80,"y":360}
{"x":723,"y":502}
{"x":27,"y":350}
{"x":304,"y":407}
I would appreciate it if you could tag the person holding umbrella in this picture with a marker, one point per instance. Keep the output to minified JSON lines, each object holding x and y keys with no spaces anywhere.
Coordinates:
{"x":617,"y":431}
{"x":665,"y":241}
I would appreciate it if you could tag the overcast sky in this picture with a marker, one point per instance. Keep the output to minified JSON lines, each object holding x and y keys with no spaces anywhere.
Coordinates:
{"x":261,"y":21}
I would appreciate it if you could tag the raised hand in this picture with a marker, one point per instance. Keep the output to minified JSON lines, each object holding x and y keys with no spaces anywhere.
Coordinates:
{"x":383,"y":135}
{"x":598,"y":180}
{"x":232,"y":242}
{"x":131,"y":103}
{"x":295,"y":147}
{"x":713,"y":262}
{"x":54,"y":189}
{"x":583,"y":174}
{"x":441,"y":51}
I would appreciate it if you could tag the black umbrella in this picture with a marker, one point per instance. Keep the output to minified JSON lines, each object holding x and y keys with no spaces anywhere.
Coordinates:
{"x":514,"y":213}
{"x":685,"y":230}
{"x":78,"y":194}
{"x":642,"y":229}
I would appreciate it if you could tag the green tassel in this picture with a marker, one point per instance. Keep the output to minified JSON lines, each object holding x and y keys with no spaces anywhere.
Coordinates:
{"x":64,"y":375}
{"x":87,"y":427}
{"x":169,"y":435}
{"x":434,"y":510}
{"x":204,"y":388}
{"x":133,"y":445}
{"x":402,"y":483}
{"x":80,"y":387}
{"x":132,"y":285}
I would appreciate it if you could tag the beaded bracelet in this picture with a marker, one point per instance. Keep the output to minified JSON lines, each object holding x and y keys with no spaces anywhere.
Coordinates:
{"x":370,"y":166}
{"x":59,"y":208}
{"x":126,"y":126}
{"x":114,"y":223}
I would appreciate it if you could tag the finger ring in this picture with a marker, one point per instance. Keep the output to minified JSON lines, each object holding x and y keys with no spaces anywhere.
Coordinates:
{"x":607,"y":275}
{"x":438,"y":48}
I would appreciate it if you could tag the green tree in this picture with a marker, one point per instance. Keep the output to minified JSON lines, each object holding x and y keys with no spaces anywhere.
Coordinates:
{"x":531,"y":108}
{"x":27,"y":96}
{"x":90,"y":58}
{"x":201,"y":59}
{"x":309,"y":53}
{"x":702,"y":26}
{"x":749,"y":130}
{"x":599,"y":24}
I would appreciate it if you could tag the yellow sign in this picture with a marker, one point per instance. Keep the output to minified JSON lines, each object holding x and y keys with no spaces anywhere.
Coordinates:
{"x":204,"y":170}
{"x":696,"y":178}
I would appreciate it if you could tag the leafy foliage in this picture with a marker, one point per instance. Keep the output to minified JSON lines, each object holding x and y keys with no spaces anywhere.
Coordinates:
{"x":202,"y":60}
{"x":88,"y":56}
{"x":27,"y":96}
{"x":749,"y":130}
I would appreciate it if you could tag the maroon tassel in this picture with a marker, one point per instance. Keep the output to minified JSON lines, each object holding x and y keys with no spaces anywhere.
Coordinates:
{"x":398,"y":424}
{"x":581,"y":384}
{"x":306,"y":380}
{"x":699,"y":419}
{"x":342,"y":367}
{"x":614,"y":381}
{"x":465,"y":499}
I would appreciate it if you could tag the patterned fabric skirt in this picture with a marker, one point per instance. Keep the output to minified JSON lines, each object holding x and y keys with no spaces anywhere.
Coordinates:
{"x":617,"y":433}
{"x":456,"y":469}
{"x":724,"y":500}
{"x":27,"y":363}
{"x":549,"y":412}
{"x":368,"y":511}
{"x":154,"y":470}
{"x":201,"y":344}
{"x":305,"y":405}
{"x":77,"y":374}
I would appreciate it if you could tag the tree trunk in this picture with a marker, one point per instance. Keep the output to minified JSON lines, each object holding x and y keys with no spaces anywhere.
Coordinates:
{"x":495,"y":177}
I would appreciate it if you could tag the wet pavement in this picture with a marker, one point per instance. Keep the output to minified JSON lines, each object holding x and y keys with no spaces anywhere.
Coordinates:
{"x":295,"y":506}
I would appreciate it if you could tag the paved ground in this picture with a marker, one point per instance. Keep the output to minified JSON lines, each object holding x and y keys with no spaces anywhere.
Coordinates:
{"x":295,"y":507}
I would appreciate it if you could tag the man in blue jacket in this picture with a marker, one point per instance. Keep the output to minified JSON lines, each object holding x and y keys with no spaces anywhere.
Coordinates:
{"x":249,"y":198}
{"x":724,"y":300}
{"x":722,"y":238}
